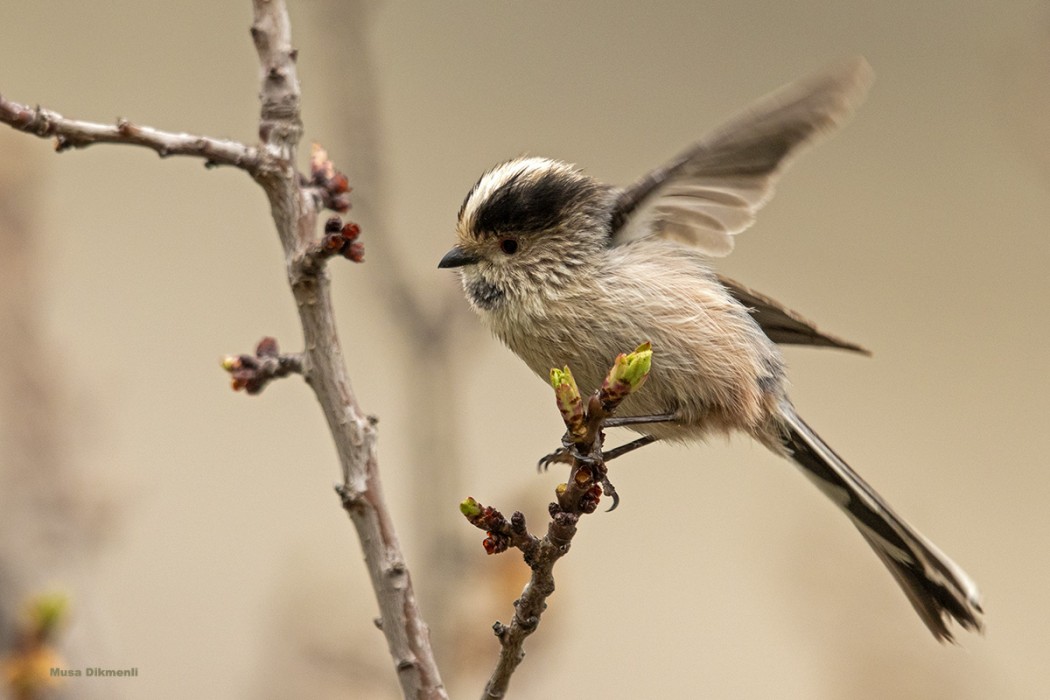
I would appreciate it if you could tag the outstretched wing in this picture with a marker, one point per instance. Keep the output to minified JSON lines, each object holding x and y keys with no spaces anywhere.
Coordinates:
{"x":781,"y":324}
{"x":711,"y":192}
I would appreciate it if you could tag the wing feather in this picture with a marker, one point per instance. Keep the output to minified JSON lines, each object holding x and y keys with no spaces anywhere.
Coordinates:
{"x":782,"y":325}
{"x":711,"y":191}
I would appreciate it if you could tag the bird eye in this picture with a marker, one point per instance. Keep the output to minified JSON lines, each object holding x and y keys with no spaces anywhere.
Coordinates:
{"x":509,"y":246}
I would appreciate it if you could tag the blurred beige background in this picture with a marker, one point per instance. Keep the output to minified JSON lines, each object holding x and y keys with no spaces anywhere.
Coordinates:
{"x":226,"y":567}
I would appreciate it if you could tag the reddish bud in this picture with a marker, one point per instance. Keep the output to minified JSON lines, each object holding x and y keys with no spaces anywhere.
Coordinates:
{"x":339,"y":203}
{"x":494,"y":543}
{"x":333,"y":243}
{"x":351,"y":231}
{"x":355,"y":251}
{"x":589,"y":501}
{"x":267,"y":347}
{"x":339,"y":183}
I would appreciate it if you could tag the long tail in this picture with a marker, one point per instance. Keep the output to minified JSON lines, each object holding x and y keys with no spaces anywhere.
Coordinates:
{"x":938,"y":589}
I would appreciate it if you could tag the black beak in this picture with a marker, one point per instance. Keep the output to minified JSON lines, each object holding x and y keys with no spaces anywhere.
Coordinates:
{"x":457,"y":258}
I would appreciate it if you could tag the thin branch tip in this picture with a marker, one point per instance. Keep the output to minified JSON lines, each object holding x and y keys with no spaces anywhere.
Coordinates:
{"x":338,"y":239}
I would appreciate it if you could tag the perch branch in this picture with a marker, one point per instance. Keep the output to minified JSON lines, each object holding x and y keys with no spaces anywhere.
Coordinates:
{"x":580,"y":495}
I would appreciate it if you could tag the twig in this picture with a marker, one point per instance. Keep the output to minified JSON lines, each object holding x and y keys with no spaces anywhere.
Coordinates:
{"x":253,"y":372}
{"x":73,"y":133}
{"x":580,"y":495}
{"x":294,"y":203}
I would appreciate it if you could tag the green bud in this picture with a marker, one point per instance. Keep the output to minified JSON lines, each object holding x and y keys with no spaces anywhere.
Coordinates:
{"x":470,"y":508}
{"x":637,"y":365}
{"x":567,"y":394}
{"x":47,"y":611}
{"x":628,"y":373}
{"x":563,"y":376}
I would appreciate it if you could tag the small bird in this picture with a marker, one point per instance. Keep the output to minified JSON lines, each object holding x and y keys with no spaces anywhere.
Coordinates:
{"x":566,"y":270}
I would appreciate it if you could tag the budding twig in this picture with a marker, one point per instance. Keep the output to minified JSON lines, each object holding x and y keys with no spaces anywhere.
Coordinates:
{"x":330,"y":186}
{"x":28,"y":669}
{"x":338,"y":239}
{"x":578,"y":496}
{"x":253,"y":372}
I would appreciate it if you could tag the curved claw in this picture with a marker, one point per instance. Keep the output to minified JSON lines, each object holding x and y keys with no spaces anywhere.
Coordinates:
{"x":559,"y":456}
{"x":609,"y":490}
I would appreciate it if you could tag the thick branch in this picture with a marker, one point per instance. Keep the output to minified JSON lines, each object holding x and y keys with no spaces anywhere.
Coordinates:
{"x":294,"y":206}
{"x":73,"y":133}
{"x":324,"y":368}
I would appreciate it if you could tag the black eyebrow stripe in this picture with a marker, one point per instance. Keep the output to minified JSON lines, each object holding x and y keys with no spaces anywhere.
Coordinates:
{"x":529,"y":202}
